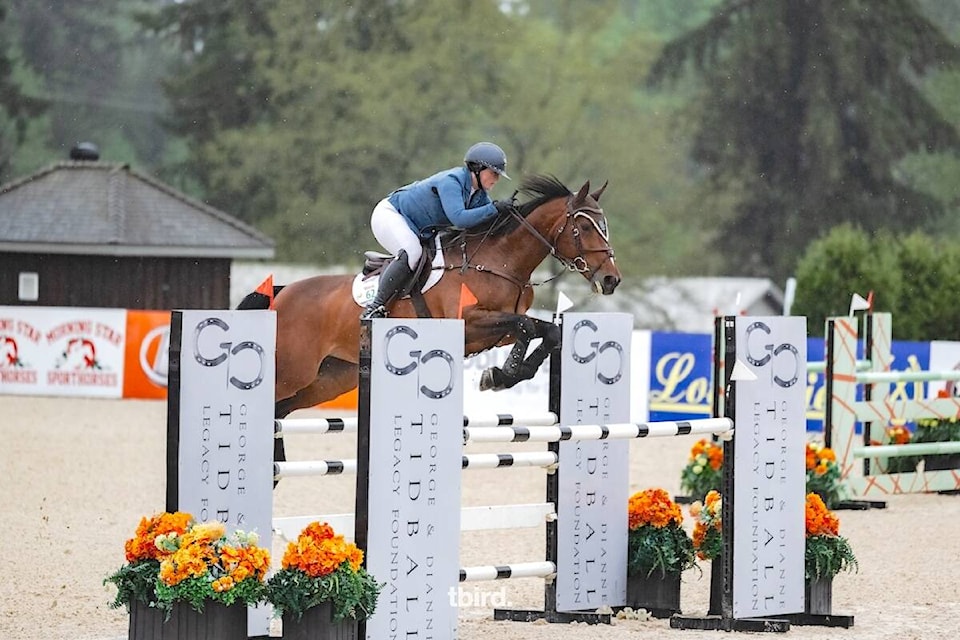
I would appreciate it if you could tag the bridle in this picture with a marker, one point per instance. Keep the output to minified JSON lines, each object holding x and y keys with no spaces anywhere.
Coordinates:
{"x":578,"y":263}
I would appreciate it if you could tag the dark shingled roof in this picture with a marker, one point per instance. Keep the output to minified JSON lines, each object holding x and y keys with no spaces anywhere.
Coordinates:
{"x":99,"y":208}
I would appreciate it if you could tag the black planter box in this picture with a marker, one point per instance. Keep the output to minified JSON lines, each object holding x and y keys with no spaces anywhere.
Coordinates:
{"x":657,"y":593}
{"x":216,"y":622}
{"x":317,"y":624}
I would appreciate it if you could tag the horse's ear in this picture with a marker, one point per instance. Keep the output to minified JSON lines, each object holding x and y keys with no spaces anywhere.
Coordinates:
{"x":584,"y":190}
{"x":599,"y":192}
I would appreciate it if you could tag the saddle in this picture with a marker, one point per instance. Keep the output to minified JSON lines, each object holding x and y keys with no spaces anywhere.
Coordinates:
{"x":375,"y":261}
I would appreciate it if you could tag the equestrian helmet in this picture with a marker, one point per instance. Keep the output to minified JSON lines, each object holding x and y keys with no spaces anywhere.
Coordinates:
{"x":489,"y":155}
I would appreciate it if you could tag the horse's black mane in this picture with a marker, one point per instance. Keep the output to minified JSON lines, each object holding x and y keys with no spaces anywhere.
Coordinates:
{"x":540,"y":189}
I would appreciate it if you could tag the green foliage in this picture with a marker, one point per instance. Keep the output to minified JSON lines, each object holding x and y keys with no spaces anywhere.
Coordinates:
{"x":712,"y":545}
{"x":367,"y":97}
{"x":910,"y":277}
{"x":704,"y":469}
{"x":135,"y":581}
{"x":698,"y":479}
{"x":825,"y":556}
{"x":666,"y":549}
{"x":843,"y":262}
{"x":353,"y":594}
{"x":197,"y":590}
{"x":299,"y":116}
{"x":926,"y":430}
{"x":87,"y":73}
{"x":826,"y":485}
{"x":930,"y":270}
{"x":937,"y":430}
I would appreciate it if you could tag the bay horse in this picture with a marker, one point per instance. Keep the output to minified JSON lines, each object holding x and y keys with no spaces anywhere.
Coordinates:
{"x":318,"y":325}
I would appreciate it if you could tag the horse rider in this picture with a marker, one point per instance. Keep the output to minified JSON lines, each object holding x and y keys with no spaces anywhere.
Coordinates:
{"x":455,"y":197}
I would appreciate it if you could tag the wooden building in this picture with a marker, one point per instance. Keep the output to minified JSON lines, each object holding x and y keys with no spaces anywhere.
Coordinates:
{"x":86,"y":233}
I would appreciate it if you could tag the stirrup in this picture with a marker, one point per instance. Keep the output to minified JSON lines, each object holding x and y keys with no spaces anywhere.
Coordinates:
{"x":374,"y":311}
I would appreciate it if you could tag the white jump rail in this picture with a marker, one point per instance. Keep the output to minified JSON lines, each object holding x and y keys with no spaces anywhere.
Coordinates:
{"x":288,"y":426}
{"x":306,"y":468}
{"x":558,"y":433}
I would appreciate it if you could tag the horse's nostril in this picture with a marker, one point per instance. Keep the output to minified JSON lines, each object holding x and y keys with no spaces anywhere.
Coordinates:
{"x":610,"y":283}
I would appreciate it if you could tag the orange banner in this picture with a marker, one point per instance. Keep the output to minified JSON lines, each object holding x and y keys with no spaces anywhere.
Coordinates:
{"x":145,"y":359}
{"x":346,"y":401}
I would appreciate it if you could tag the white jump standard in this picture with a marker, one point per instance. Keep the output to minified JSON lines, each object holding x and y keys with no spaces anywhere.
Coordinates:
{"x":860,"y":460}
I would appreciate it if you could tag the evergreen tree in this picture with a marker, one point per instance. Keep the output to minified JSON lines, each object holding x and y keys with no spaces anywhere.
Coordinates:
{"x":807,"y":108}
{"x":16,"y":108}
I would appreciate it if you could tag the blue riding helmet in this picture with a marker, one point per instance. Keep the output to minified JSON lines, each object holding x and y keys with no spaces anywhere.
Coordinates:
{"x":489,"y":155}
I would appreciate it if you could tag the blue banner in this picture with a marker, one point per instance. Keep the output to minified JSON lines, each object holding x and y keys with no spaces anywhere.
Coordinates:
{"x":681,"y":376}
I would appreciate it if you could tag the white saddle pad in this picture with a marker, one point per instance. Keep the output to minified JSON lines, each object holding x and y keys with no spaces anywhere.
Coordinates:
{"x":365,"y":289}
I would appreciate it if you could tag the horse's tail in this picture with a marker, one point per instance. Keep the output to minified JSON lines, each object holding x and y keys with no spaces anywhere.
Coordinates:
{"x":257,"y":300}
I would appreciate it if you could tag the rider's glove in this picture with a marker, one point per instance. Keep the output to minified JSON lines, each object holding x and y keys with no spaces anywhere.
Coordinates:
{"x":503,"y":206}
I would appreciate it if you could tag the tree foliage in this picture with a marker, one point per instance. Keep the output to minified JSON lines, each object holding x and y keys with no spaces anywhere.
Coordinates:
{"x":299,"y":116}
{"x":96,"y":74}
{"x":366,"y":97}
{"x":806,"y":110}
{"x":16,"y":108}
{"x":913,"y":277}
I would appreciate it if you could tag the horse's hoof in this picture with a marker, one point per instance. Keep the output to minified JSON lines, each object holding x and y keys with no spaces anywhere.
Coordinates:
{"x":491,"y":380}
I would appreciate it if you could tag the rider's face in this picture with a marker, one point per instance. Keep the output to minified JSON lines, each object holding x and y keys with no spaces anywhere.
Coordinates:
{"x":488,"y":178}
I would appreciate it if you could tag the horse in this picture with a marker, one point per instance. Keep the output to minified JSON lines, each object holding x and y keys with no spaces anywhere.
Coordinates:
{"x":318,"y":321}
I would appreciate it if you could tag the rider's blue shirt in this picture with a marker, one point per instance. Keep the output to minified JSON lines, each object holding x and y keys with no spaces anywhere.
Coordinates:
{"x":442,"y":200}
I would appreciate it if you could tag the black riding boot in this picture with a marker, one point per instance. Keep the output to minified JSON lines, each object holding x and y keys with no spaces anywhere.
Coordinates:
{"x":392,"y":281}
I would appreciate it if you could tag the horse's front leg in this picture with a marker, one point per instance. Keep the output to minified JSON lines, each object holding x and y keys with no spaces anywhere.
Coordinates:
{"x":520,"y":366}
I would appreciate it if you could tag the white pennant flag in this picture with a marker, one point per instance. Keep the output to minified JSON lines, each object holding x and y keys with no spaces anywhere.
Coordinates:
{"x":858,"y":303}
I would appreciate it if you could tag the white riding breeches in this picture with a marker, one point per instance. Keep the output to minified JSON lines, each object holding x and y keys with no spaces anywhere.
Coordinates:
{"x":392,"y":232}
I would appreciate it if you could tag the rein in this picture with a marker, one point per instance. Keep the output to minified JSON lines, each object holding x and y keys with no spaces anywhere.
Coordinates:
{"x":577,"y":264}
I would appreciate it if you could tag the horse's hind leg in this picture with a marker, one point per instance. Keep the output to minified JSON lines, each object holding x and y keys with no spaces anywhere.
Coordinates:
{"x":519,"y":366}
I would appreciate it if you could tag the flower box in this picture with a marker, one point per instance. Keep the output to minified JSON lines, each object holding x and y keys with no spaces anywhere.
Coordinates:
{"x":818,"y":594}
{"x":317,"y":623}
{"x":658,"y":593}
{"x":145,"y":621}
{"x":216,"y":622}
{"x":198,"y":579}
{"x":658,"y":551}
{"x":941,"y":462}
{"x":322,"y":591}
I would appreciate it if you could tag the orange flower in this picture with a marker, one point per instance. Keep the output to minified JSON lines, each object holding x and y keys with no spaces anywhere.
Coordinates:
{"x":652,"y":507}
{"x":710,"y":451}
{"x":709,"y":521}
{"x":898,"y":435}
{"x":223,"y":584}
{"x":143,"y":545}
{"x":319,"y":552}
{"x":820,"y":521}
{"x":818,"y":455}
